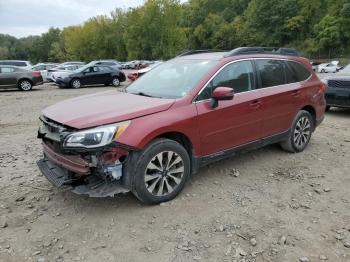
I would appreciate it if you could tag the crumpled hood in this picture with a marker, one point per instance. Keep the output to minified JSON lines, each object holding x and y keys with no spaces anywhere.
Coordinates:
{"x":104,"y":108}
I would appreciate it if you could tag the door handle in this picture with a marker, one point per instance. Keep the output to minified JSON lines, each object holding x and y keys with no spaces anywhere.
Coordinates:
{"x":296,"y":93}
{"x":256,"y":104}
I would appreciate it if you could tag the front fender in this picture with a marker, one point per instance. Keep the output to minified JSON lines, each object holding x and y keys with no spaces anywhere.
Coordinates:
{"x":180,"y":119}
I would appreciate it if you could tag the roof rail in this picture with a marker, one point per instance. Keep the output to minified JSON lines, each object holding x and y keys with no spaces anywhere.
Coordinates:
{"x":193,"y":52}
{"x":263,"y":50}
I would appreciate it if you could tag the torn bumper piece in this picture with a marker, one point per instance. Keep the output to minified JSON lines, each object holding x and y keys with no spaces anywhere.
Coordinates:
{"x":91,"y":185}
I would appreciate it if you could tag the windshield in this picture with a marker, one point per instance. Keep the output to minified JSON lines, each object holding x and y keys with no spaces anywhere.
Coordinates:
{"x":173,"y":79}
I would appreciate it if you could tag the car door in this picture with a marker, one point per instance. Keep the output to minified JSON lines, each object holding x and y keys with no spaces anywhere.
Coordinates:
{"x":8,"y":76}
{"x":92,"y":76}
{"x":235,"y":122}
{"x":105,"y":75}
{"x":280,"y":95}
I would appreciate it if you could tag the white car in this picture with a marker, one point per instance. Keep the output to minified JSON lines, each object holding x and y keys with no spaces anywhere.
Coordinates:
{"x":331,"y":67}
{"x":43,"y":68}
{"x":60,"y":71}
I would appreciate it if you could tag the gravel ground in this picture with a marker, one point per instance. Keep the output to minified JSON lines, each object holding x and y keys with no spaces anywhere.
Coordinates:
{"x":267,"y":205}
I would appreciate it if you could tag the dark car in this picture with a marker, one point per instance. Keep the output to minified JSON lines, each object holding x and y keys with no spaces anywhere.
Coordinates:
{"x":180,"y":116}
{"x":92,"y":75}
{"x":12,"y":76}
{"x":109,"y":62}
{"x":338,"y":89}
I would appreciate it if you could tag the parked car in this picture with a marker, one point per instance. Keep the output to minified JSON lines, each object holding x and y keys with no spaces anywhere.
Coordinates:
{"x":91,"y":75}
{"x":111,"y":63}
{"x":18,"y":63}
{"x":135,"y":75}
{"x":328,"y":67}
{"x":73,"y":63}
{"x":182,"y":115}
{"x":338,"y":89}
{"x":60,"y":70}
{"x":43,"y":68}
{"x":12,"y":76}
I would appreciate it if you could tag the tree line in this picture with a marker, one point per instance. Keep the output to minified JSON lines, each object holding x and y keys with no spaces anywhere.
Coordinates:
{"x":159,"y":29}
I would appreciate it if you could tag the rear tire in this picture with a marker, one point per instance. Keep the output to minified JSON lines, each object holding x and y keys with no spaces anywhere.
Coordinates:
{"x":75,"y":83}
{"x":300,"y":134}
{"x":115,"y":81}
{"x":25,"y":85}
{"x":328,"y":108}
{"x":161,"y":171}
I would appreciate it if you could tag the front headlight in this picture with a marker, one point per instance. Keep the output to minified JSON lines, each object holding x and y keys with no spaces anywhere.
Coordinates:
{"x":96,"y":137}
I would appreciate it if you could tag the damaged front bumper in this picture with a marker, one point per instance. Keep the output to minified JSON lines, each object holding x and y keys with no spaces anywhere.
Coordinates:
{"x":91,"y":185}
{"x":97,"y":172}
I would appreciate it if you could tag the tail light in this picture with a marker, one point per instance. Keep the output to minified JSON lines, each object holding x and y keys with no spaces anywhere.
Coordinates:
{"x":36,"y":73}
{"x":323,"y":87}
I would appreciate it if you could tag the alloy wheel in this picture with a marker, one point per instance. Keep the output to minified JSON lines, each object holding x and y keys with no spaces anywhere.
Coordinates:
{"x":116,"y":82}
{"x":164,"y":173}
{"x":26,"y":85}
{"x":76,"y":83}
{"x":302,"y":132}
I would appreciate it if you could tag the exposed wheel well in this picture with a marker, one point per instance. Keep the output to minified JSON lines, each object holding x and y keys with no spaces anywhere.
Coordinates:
{"x":312,"y":111}
{"x":181,"y":139}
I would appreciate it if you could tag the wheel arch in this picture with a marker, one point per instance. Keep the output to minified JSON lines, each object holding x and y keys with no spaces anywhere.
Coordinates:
{"x":312,"y":111}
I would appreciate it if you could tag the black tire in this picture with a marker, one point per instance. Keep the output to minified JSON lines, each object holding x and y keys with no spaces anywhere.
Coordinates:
{"x":148,"y":158}
{"x":293,"y":144}
{"x":115,"y":81}
{"x":323,"y":71}
{"x":25,"y":85}
{"x":328,"y":108}
{"x":75,"y":83}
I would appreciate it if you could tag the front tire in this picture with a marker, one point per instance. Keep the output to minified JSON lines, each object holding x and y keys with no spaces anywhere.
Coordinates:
{"x":75,"y":83}
{"x":161,"y":171}
{"x":300,"y":134}
{"x":25,"y":85}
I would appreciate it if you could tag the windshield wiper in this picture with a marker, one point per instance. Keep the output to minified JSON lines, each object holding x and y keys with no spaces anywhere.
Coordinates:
{"x":144,"y":94}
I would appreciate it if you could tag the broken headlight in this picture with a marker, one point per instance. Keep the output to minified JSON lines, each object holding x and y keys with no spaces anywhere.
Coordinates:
{"x":96,"y":137}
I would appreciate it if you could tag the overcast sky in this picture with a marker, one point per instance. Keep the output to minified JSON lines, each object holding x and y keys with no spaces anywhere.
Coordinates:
{"x":33,"y":17}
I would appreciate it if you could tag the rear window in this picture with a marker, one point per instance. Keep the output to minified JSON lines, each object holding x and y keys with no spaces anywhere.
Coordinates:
{"x":271,"y":72}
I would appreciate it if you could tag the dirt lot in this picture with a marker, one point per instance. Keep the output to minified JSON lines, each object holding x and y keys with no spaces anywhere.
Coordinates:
{"x":266,"y":205}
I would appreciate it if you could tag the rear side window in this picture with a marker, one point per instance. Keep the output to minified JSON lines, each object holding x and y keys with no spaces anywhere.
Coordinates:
{"x":7,"y":70}
{"x":296,"y":72}
{"x":271,"y":72}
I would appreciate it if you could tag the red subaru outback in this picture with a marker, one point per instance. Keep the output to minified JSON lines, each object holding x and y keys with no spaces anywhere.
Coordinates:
{"x":190,"y":111}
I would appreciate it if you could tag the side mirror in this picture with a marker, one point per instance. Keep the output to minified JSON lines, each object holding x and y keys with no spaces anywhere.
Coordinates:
{"x":221,"y":94}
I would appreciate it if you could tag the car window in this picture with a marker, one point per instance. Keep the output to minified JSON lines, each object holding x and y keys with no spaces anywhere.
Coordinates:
{"x":19,"y":64}
{"x":173,"y":79}
{"x":297,"y":71}
{"x":271,"y":72}
{"x":95,"y":69}
{"x":7,"y":70}
{"x":107,"y":63}
{"x":104,"y":68}
{"x":238,"y":75}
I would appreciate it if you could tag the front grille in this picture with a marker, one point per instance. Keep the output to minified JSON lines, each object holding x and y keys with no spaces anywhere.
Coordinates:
{"x":339,"y":83}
